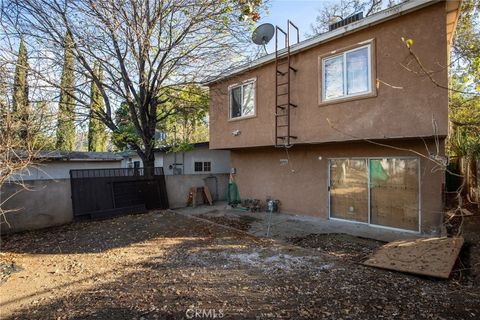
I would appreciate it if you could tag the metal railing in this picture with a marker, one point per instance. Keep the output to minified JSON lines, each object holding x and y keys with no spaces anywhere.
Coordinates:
{"x":113,"y":172}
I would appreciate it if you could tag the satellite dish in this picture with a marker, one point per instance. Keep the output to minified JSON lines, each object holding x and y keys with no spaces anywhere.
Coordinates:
{"x":263,"y":34}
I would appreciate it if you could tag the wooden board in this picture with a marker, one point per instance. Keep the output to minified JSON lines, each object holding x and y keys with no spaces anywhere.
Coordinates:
{"x":192,"y":197}
{"x":430,"y":257}
{"x":208,"y":195}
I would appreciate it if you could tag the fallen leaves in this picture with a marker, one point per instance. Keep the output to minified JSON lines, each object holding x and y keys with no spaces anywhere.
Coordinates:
{"x":156,"y":266}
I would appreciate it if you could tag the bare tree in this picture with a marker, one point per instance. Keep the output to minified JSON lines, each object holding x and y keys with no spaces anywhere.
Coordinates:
{"x":332,"y":12}
{"x":144,"y":46}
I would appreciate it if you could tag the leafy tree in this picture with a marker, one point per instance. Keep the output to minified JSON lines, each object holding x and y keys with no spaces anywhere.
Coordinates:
{"x":189,"y":124}
{"x":20,"y":86}
{"x":97,"y":136}
{"x":66,"y":106}
{"x":20,"y":101}
{"x":144,"y":48}
{"x":464,"y":109}
{"x":185,"y":126}
{"x":125,"y":134}
{"x":466,"y":47}
{"x":3,"y":87}
{"x":42,"y":127}
{"x":31,"y":119}
{"x":464,"y":115}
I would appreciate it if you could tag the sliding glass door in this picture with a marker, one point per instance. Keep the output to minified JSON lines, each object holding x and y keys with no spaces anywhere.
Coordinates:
{"x":394,"y":195}
{"x":379,"y":191}
{"x":349,"y":189}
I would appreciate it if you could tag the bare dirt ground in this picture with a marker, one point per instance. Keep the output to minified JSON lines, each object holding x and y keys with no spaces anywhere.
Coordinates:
{"x":162,"y":265}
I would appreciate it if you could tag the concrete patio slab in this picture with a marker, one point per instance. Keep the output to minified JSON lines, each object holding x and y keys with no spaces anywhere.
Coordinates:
{"x":286,"y":225}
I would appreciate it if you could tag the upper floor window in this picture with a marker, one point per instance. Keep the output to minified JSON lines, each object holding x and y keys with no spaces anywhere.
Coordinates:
{"x":347,"y":74}
{"x":242,"y":99}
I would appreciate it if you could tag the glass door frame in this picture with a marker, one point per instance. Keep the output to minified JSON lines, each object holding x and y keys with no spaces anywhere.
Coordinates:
{"x":419,"y":178}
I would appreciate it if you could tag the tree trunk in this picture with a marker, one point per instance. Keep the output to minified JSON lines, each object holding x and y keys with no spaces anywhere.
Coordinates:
{"x":149,"y":163}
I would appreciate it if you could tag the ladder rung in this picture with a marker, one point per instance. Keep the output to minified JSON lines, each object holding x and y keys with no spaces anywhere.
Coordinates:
{"x":283,"y":105}
{"x":281,"y":84}
{"x":284,"y":73}
{"x":282,"y":125}
{"x":282,"y":94}
{"x":285,"y":137}
{"x":281,"y":115}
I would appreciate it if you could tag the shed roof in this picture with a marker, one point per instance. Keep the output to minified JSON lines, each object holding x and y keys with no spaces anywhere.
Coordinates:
{"x":78,"y":156}
{"x":195,"y":145}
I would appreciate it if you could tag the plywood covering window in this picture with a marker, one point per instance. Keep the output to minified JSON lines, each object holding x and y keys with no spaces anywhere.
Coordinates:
{"x":242,"y":99}
{"x":378,"y":191}
{"x":394,"y":193}
{"x":347,"y":74}
{"x":349,"y":189}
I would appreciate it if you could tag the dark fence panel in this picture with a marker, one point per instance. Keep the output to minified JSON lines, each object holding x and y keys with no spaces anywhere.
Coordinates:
{"x":98,"y":193}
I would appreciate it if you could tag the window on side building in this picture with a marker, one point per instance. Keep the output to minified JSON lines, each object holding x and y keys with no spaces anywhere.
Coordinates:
{"x":202,"y":166}
{"x":198,"y":166}
{"x":207,"y":166}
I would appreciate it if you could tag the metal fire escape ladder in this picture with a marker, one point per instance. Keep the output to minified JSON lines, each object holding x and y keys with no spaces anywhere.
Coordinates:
{"x":283,"y":103}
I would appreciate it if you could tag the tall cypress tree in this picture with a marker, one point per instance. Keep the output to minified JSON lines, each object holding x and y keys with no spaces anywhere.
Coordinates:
{"x":3,"y":89}
{"x":66,"y":107}
{"x":20,"y":102}
{"x":97,"y":136}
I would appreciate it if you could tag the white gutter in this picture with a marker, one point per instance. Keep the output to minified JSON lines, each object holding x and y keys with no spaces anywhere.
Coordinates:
{"x":382,"y":16}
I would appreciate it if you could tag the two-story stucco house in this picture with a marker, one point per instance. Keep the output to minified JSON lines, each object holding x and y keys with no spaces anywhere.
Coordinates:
{"x":365,"y":126}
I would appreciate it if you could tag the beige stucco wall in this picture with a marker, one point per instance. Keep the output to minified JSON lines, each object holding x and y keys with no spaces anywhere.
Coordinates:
{"x":40,"y":204}
{"x":301,"y":185}
{"x":392,"y":113}
{"x":178,"y":187}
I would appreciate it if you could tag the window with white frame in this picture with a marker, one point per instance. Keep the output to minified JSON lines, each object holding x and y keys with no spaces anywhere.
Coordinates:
{"x":347,"y":74}
{"x":202,"y":166}
{"x":242,"y":99}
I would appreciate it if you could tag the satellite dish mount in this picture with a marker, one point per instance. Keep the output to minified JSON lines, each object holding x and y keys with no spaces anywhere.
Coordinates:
{"x":263,"y":34}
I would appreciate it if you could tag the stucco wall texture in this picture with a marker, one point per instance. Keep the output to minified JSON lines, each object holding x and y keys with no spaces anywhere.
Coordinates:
{"x":302,"y":184}
{"x":45,"y":203}
{"x":178,"y":187}
{"x":404,"y":104}
{"x":220,"y":160}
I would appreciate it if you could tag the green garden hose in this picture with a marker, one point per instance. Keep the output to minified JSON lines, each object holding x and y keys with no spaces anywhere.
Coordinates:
{"x":236,"y":199}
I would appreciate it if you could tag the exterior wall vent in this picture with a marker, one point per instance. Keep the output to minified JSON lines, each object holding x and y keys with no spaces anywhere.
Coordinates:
{"x":344,"y":22}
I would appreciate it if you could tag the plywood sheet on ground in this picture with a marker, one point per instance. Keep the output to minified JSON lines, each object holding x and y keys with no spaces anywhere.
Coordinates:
{"x":431,"y":257}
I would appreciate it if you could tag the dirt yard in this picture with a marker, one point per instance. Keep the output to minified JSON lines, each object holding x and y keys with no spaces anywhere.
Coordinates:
{"x":162,"y":265}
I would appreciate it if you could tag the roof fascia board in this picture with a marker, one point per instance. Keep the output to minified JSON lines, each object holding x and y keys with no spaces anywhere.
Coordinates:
{"x":372,"y":20}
